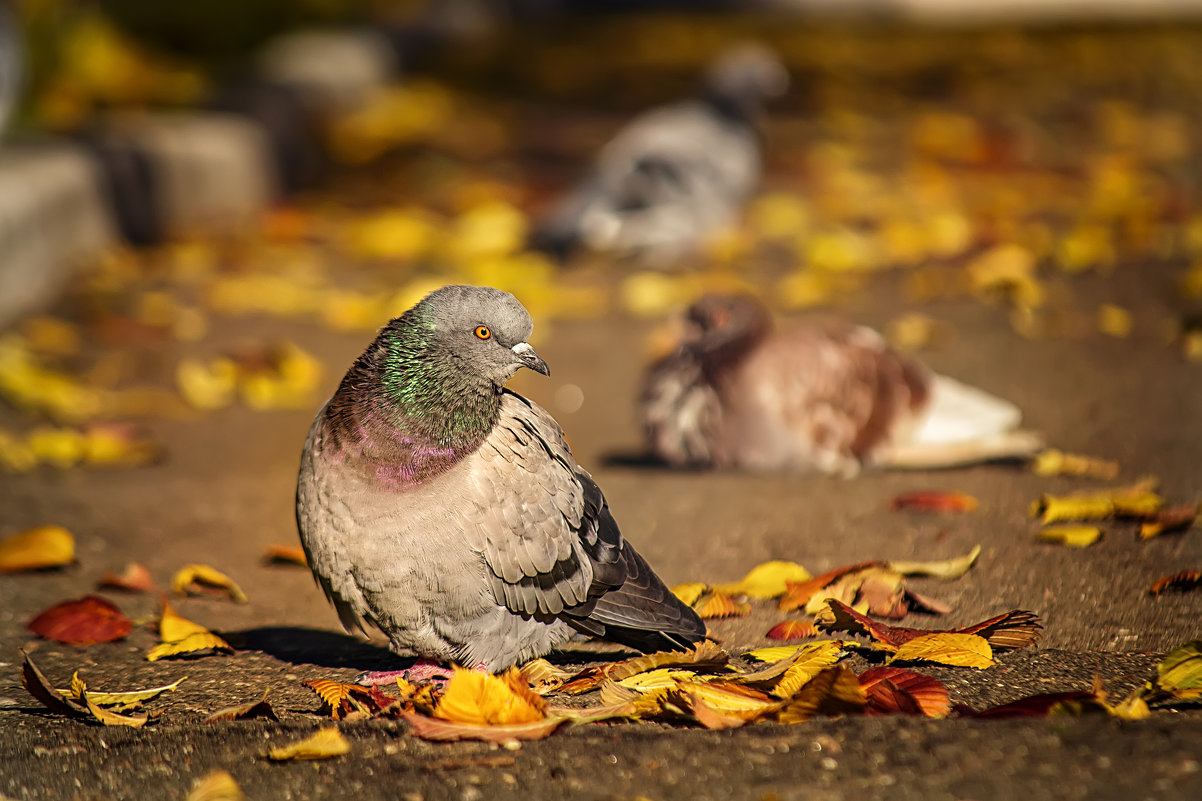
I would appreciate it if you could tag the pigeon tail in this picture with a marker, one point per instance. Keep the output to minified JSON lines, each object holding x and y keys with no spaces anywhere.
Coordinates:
{"x":956,"y":412}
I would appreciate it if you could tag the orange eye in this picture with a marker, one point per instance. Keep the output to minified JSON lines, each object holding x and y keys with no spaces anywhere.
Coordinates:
{"x":482,"y":332}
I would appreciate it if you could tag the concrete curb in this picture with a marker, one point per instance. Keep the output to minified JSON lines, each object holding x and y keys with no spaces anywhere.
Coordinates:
{"x":142,"y":177}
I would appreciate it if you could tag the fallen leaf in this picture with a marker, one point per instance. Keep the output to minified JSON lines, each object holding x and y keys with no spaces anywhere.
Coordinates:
{"x":934,"y":501}
{"x":249,"y":711}
{"x":216,"y":785}
{"x":128,"y":698}
{"x":201,"y":579}
{"x":36,"y":549}
{"x":111,"y":718}
{"x":720,"y":605}
{"x":1115,"y":321}
{"x":1015,"y":629}
{"x":543,"y":677}
{"x":481,"y":699}
{"x":83,"y":621}
{"x":799,"y":594}
{"x":134,"y":578}
{"x":1032,"y":706}
{"x":1184,"y":581}
{"x":1181,"y":669}
{"x":833,"y":691}
{"x":946,"y":648}
{"x":947,"y":569}
{"x":323,"y":744}
{"x":810,"y":660}
{"x":767,"y":580}
{"x":41,"y":689}
{"x":342,"y":699}
{"x":1136,"y":500}
{"x":198,"y":644}
{"x":286,"y":554}
{"x":792,"y":630}
{"x":1072,"y":536}
{"x":892,"y":690}
{"x":429,"y":728}
{"x":689,"y":593}
{"x":1175,"y":518}
{"x":173,"y":628}
{"x":1057,"y":463}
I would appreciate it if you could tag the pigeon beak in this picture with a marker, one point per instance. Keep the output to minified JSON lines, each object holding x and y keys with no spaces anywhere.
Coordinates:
{"x":528,"y":358}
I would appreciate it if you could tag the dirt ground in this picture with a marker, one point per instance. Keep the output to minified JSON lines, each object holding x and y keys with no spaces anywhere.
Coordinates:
{"x":225,"y":493}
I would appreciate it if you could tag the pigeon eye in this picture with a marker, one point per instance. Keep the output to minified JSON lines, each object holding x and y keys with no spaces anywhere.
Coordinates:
{"x":483,"y":332}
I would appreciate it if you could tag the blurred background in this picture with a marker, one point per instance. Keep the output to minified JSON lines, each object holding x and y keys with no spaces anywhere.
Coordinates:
{"x":169,"y":168}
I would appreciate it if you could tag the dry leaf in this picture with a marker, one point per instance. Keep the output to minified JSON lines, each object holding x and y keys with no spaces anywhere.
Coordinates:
{"x":946,"y":569}
{"x":83,"y":621}
{"x":1176,"y":518}
{"x":1136,"y":500}
{"x":173,"y":628}
{"x":429,"y":728}
{"x":128,"y":698}
{"x":543,"y":677}
{"x":799,"y":594}
{"x":110,"y":718}
{"x":767,"y":580}
{"x":1072,"y":536}
{"x":833,"y":691}
{"x":720,"y":605}
{"x":286,"y":554}
{"x":198,"y":644}
{"x":892,"y":690}
{"x":1115,"y":321}
{"x":201,"y":579}
{"x":324,"y":744}
{"x":811,"y":659}
{"x":1181,"y":669}
{"x":341,"y":700}
{"x":1033,"y":706}
{"x":134,"y":578}
{"x":217,"y":785}
{"x":689,"y":593}
{"x":37,"y":548}
{"x":946,"y":648}
{"x":249,"y":711}
{"x":481,"y":699}
{"x":934,"y":501}
{"x":41,"y":689}
{"x":1015,"y":629}
{"x":1057,"y":463}
{"x":1184,"y":581}
{"x":792,"y":630}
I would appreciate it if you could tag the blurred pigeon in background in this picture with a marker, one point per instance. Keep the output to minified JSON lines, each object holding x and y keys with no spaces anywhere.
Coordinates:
{"x":10,"y":63}
{"x":449,"y":513}
{"x":676,"y":173}
{"x":822,"y":395}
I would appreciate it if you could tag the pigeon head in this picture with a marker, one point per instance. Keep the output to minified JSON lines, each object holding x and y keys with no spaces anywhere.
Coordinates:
{"x":480,"y":330}
{"x":719,"y":320}
{"x":744,"y":77}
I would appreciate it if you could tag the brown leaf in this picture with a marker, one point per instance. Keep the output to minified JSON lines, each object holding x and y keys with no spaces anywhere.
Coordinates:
{"x":202,"y":579}
{"x":1184,"y":581}
{"x":1016,"y":629}
{"x":324,"y":744}
{"x":36,"y":549}
{"x":934,"y":501}
{"x":720,"y":605}
{"x":1175,"y":518}
{"x":254,"y":709}
{"x":286,"y":554}
{"x":429,"y":728}
{"x":884,"y":599}
{"x":134,"y":578}
{"x":706,"y":655}
{"x":798,"y":594}
{"x":792,"y":630}
{"x":44,"y":691}
{"x":83,"y":621}
{"x":894,"y":690}
{"x":833,"y":691}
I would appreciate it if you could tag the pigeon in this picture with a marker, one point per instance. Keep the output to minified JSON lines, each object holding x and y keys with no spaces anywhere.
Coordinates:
{"x":825,"y":396}
{"x":449,"y":513}
{"x":676,"y":173}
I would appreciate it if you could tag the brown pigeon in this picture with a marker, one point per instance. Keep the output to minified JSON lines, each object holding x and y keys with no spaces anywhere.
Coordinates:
{"x":826,"y":395}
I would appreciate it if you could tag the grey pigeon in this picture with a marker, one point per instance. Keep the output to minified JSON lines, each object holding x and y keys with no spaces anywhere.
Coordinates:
{"x":675,"y":173}
{"x":825,"y":395}
{"x":448,"y":511}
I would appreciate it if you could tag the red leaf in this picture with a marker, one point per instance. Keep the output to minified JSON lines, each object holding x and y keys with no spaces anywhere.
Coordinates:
{"x":934,"y":501}
{"x":1016,"y":629}
{"x":792,"y":630}
{"x":927,"y":694}
{"x":1033,"y":706}
{"x":84,"y":621}
{"x":1184,"y":581}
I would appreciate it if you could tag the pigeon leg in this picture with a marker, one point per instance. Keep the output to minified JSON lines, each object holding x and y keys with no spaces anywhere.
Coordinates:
{"x":421,"y":670}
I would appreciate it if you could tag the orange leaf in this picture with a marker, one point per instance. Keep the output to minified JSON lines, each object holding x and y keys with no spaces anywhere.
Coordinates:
{"x":718,"y":605}
{"x":1016,"y":629}
{"x":1173,"y":519}
{"x":893,"y":689}
{"x":84,"y":621}
{"x":37,"y":548}
{"x":134,"y":578}
{"x":342,"y":699}
{"x":429,"y":728}
{"x":834,"y":691}
{"x":481,"y":699}
{"x":1183,"y":581}
{"x":798,"y":593}
{"x":934,"y":501}
{"x":792,"y":630}
{"x":286,"y":554}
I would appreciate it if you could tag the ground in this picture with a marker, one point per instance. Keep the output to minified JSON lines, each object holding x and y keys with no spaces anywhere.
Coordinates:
{"x":224,"y":493}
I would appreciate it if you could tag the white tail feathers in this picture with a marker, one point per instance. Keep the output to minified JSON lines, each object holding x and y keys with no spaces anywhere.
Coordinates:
{"x":961,"y":425}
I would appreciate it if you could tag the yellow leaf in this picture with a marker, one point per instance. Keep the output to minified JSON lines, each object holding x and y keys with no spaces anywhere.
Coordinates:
{"x":833,"y":691}
{"x":173,"y":628}
{"x":1057,"y":463}
{"x":193,"y":643}
{"x":651,"y":294}
{"x":719,"y":605}
{"x":947,"y":569}
{"x":482,"y":699}
{"x":1072,"y":536}
{"x":1136,"y":500}
{"x":324,"y":744}
{"x":217,"y":785}
{"x":1115,"y":321}
{"x":946,"y":648}
{"x":207,"y":386}
{"x":37,"y":548}
{"x":543,"y":677}
{"x":811,"y":660}
{"x":767,"y":580}
{"x":773,"y":653}
{"x":690,"y":592}
{"x":110,"y":718}
{"x":1181,"y":669}
{"x":657,"y":679}
{"x":189,"y":579}
{"x":913,"y":331}
{"x":119,"y":698}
